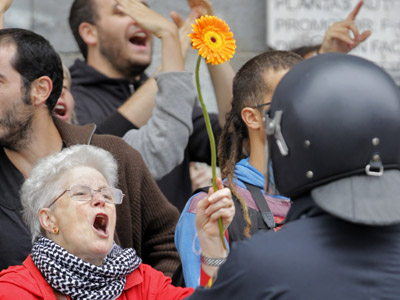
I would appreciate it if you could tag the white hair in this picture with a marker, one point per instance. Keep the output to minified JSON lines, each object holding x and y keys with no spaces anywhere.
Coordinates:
{"x":47,"y":179}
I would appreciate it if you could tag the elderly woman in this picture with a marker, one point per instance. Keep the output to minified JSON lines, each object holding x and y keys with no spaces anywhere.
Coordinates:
{"x":69,"y":206}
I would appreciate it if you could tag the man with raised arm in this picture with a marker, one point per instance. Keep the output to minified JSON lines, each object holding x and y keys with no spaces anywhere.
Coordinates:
{"x":112,"y":89}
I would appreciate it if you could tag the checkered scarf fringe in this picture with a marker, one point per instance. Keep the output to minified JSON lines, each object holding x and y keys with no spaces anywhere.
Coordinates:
{"x":79,"y":279}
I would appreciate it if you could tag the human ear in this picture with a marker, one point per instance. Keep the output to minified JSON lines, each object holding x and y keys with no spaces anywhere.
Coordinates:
{"x":251,"y":117}
{"x":88,"y":33}
{"x":48,"y":221}
{"x":41,"y":89}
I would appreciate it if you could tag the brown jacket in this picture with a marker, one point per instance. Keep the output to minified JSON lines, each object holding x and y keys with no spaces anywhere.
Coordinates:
{"x":145,"y":219}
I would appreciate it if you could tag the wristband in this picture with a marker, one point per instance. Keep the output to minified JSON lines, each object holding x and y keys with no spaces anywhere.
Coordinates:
{"x":212,"y":262}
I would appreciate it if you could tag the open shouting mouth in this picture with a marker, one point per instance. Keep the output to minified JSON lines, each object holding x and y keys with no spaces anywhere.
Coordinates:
{"x":139,"y":39}
{"x":100,"y":225}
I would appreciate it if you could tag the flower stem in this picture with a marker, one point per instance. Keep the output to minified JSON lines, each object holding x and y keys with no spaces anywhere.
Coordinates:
{"x":212,"y":145}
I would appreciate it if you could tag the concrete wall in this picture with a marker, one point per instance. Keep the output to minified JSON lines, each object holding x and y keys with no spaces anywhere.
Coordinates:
{"x":49,"y":18}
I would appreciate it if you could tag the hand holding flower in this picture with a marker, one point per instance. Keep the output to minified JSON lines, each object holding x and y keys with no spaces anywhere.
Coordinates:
{"x":211,"y":36}
{"x":218,"y":204}
{"x":210,"y":210}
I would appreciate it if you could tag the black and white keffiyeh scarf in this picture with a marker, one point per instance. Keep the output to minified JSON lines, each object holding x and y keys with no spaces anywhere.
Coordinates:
{"x":79,"y":279}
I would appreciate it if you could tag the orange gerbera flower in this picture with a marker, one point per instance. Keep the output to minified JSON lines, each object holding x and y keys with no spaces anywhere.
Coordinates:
{"x":214,"y":39}
{"x":216,"y":44}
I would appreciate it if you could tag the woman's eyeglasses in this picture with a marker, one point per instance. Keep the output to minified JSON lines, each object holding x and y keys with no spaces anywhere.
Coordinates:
{"x":86,"y":193}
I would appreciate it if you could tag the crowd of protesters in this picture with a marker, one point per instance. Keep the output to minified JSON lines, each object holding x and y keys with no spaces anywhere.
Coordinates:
{"x":102,"y":197}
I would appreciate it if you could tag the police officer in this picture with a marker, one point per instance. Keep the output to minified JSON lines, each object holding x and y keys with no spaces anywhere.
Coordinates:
{"x":334,"y":136}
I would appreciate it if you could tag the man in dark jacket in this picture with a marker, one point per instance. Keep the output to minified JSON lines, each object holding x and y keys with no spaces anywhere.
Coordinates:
{"x":117,"y":50}
{"x":333,"y":131}
{"x":31,"y":78}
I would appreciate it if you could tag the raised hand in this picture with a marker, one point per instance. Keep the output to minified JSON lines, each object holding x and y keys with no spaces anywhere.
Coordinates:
{"x":202,"y":7}
{"x":185,"y":27}
{"x":146,"y":18}
{"x":338,"y":36}
{"x":4,"y":5}
{"x":198,"y":8}
{"x":216,"y":205}
{"x":159,"y":26}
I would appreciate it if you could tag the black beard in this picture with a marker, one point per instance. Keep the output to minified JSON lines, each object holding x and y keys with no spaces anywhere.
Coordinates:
{"x":19,"y":129}
{"x":129,"y":69}
{"x":19,"y":136}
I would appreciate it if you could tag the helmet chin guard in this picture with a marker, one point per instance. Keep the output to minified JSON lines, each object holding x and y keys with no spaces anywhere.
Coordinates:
{"x":273,"y":127}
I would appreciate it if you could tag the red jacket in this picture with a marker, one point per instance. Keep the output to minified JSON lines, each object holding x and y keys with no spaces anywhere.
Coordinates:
{"x":26,"y":282}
